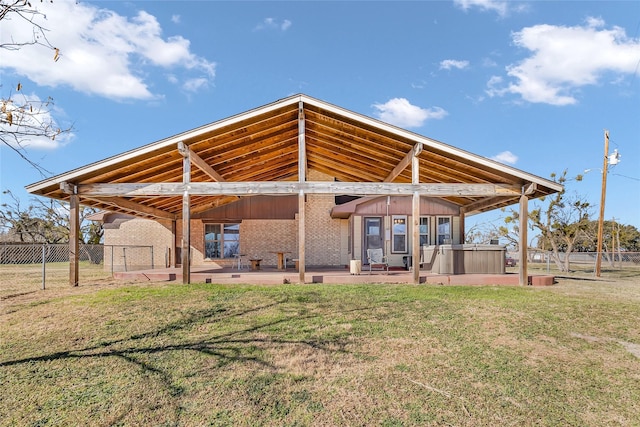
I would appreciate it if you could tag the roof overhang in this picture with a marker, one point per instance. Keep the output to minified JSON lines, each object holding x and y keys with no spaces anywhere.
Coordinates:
{"x":268,"y":150}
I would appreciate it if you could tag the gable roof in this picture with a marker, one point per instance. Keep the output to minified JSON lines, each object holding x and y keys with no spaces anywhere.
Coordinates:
{"x":262,"y":145}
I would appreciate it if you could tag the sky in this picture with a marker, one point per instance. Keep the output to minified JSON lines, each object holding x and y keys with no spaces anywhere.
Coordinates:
{"x":531,"y":84}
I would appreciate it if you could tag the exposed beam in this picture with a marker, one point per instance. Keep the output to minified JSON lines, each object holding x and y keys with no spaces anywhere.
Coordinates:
{"x":401,"y":166}
{"x":67,"y":187}
{"x":199,"y":162}
{"x":134,"y":206}
{"x":250,"y":188}
{"x":485,"y":203}
{"x":530,"y":188}
{"x":302,"y":145}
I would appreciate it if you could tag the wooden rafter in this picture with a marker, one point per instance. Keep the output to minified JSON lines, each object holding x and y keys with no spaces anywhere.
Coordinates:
{"x":199,"y":163}
{"x":125,"y":204}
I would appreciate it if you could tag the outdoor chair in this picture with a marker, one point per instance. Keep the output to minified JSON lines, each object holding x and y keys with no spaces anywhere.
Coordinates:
{"x":377,"y":260}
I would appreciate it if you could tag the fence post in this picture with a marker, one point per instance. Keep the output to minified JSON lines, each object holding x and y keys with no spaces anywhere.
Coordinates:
{"x":152,"y":267}
{"x":44,"y":267}
{"x":548,"y":255}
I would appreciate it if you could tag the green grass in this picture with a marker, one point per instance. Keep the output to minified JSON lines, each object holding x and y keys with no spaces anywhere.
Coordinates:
{"x":391,"y":355}
{"x":27,"y":278}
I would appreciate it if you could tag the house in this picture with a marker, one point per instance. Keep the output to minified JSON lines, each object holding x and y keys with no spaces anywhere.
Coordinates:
{"x":298,"y":178}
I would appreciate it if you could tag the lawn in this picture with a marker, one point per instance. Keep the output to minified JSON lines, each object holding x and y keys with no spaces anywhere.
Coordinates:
{"x":320,"y":355}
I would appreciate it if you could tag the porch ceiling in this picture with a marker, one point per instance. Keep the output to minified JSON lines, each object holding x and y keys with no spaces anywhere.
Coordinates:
{"x":262,"y":145}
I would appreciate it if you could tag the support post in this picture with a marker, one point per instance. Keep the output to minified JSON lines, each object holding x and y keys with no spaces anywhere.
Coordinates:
{"x":302,"y":177}
{"x":186,"y":221}
{"x":523,"y":279}
{"x":173,"y":262}
{"x":415,"y":213}
{"x":301,"y":236}
{"x":74,"y":241}
{"x":603,"y":196}
{"x":44,"y":267}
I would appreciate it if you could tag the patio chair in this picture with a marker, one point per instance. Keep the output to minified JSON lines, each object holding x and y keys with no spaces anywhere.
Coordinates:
{"x":377,"y":259}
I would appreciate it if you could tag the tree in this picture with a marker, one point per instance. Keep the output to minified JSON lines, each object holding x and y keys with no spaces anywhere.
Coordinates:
{"x":24,"y":117}
{"x":562,"y":223}
{"x":45,"y":221}
{"x":616,"y":237}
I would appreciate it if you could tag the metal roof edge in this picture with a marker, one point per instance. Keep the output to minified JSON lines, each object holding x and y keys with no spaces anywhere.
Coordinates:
{"x":293,"y":99}
{"x":430,"y":142}
{"x":160,"y":144}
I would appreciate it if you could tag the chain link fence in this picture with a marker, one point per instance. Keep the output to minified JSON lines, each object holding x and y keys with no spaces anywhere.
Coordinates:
{"x":615,"y":264}
{"x":28,"y":267}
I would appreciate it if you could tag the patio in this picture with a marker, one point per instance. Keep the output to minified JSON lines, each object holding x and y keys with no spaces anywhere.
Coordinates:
{"x":272,"y":276}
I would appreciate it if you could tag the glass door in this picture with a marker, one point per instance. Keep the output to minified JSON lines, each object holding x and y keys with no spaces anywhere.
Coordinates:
{"x":373,"y":235}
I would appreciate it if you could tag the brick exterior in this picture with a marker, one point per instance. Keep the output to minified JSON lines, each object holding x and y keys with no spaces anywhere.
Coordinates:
{"x":262,"y":238}
{"x":134,"y":232}
{"x":327,"y":239}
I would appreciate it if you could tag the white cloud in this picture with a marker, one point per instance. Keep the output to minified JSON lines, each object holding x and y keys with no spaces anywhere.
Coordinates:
{"x":103,"y":53}
{"x":35,"y":129}
{"x":448,"y":64}
{"x":195,"y":85}
{"x":273,"y":24}
{"x":176,"y":19}
{"x":501,"y":7}
{"x":506,"y":157}
{"x":400,"y":112}
{"x":564,"y":59}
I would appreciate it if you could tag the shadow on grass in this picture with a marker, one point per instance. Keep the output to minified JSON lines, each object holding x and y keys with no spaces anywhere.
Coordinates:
{"x":229,"y":347}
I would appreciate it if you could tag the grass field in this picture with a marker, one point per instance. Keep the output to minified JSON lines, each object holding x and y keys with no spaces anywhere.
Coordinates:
{"x":321,"y":355}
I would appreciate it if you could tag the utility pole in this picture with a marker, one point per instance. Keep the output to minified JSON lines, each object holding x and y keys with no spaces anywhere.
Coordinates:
{"x":602,"y":199}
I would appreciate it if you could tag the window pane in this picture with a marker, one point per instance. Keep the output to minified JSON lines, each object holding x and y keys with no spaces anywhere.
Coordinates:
{"x":230,"y":248}
{"x":231,"y":232}
{"x":212,"y":249}
{"x":212,"y":232}
{"x":444,"y":230}
{"x":424,"y":231}
{"x":399,"y":225}
{"x":399,"y":230}
{"x":399,"y":243}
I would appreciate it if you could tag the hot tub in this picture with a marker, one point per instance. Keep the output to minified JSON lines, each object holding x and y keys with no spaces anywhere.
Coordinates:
{"x":464,"y":259}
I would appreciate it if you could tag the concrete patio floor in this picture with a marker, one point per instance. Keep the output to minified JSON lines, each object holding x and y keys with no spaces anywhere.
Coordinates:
{"x":270,"y":275}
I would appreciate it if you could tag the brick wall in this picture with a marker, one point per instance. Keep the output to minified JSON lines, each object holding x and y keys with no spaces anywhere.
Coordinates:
{"x":141,"y":232}
{"x":262,"y":238}
{"x":326,"y":238}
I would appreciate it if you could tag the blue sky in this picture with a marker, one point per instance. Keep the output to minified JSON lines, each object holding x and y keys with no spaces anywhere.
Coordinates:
{"x":531,"y":84}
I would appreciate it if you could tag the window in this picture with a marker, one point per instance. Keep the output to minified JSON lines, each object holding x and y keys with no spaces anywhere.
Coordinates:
{"x":221,"y":240}
{"x":424,"y":231}
{"x":444,"y":230}
{"x":399,"y":231}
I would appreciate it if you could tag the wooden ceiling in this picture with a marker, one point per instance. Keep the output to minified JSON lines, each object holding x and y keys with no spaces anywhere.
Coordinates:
{"x":261,"y":145}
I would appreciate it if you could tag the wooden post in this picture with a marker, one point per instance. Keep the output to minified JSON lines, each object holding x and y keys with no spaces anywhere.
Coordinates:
{"x":173,"y":262}
{"x":186,"y":221}
{"x":524,"y":219}
{"x":74,"y":241}
{"x":415,"y":229}
{"x":302,"y":177}
{"x":603,"y":196}
{"x":301,"y":236}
